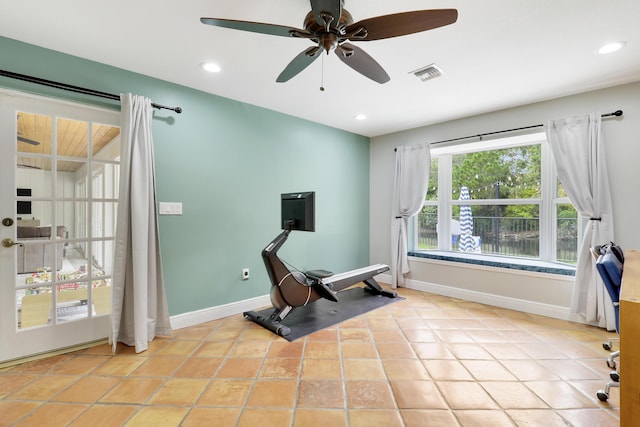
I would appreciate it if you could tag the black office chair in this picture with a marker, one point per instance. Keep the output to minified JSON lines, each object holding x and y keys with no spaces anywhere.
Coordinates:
{"x":610,"y":266}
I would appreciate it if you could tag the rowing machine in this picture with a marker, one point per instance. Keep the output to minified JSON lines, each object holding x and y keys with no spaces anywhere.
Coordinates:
{"x":293,"y":289}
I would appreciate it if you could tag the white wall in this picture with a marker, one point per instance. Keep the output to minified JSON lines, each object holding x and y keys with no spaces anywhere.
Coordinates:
{"x":538,"y":292}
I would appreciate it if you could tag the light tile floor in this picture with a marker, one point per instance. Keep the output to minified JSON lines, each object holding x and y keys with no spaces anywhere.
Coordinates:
{"x":425,"y":361}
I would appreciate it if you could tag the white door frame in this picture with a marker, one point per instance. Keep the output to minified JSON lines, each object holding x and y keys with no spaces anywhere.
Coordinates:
{"x":15,"y":342}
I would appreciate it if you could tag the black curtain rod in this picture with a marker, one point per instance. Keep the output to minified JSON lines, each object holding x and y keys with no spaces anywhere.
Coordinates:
{"x":616,"y":113}
{"x":78,"y":89}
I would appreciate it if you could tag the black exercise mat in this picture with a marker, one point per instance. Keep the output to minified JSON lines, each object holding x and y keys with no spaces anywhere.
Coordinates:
{"x":323,"y":313}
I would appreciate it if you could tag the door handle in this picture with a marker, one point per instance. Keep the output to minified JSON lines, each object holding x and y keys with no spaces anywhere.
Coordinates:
{"x":8,"y":243}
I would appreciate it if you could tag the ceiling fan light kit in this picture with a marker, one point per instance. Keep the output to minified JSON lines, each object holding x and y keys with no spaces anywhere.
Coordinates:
{"x":331,"y":28}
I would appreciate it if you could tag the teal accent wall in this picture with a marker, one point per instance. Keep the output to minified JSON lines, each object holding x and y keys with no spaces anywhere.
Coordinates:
{"x":227,"y":162}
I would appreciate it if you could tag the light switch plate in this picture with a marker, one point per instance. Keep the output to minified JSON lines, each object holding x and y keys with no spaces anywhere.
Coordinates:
{"x":170,"y":208}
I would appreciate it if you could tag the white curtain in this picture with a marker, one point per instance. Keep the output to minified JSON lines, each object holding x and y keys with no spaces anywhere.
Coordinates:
{"x":409,"y":191}
{"x":578,"y":150}
{"x":140,"y":310}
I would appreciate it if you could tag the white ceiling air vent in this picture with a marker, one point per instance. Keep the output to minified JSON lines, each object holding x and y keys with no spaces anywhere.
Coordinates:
{"x":427,"y":73}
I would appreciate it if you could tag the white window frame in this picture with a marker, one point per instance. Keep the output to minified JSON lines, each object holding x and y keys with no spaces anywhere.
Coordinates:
{"x":547,"y":202}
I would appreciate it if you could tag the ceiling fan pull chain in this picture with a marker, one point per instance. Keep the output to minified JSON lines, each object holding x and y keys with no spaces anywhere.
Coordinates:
{"x":322,"y":74}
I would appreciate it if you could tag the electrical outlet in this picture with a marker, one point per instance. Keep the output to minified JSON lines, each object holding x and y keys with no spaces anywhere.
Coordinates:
{"x":245,"y":274}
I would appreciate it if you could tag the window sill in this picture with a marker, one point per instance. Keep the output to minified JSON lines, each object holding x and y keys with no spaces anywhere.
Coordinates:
{"x":497,"y":261}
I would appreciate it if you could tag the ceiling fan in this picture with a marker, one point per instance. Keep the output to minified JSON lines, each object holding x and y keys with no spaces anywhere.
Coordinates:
{"x":22,"y":138}
{"x":27,"y":140}
{"x":331,"y":27}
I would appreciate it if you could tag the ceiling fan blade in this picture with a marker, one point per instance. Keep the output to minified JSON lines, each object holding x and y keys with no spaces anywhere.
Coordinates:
{"x":254,"y":27}
{"x":28,"y":166}
{"x":330,"y":7}
{"x":28,"y":141}
{"x":299,"y":63}
{"x":360,"y":61}
{"x":401,"y":24}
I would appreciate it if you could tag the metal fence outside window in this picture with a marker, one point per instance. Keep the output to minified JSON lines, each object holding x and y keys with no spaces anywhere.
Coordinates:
{"x":518,"y":237}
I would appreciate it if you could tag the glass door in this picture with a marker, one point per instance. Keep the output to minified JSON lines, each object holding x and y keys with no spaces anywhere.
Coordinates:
{"x":58,"y":201}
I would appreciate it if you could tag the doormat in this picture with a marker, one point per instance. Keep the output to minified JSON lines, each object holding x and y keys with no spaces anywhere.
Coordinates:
{"x":323,"y":313}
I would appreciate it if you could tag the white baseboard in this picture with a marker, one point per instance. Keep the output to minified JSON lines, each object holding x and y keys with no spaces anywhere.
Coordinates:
{"x":185,"y":320}
{"x":192,"y":318}
{"x":532,"y":307}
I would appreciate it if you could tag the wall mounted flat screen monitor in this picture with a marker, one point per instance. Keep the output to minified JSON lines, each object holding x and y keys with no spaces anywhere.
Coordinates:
{"x":298,"y":211}
{"x":24,"y":207}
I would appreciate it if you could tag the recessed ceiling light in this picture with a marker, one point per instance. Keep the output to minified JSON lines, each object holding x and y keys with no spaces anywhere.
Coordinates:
{"x":361,"y":117}
{"x":210,"y":67}
{"x":611,"y":47}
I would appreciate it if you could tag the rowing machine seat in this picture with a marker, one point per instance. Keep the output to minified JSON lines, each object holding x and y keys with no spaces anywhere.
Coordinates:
{"x":318,"y":274}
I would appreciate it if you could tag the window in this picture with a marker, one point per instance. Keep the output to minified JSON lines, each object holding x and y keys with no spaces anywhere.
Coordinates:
{"x":499,"y":197}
